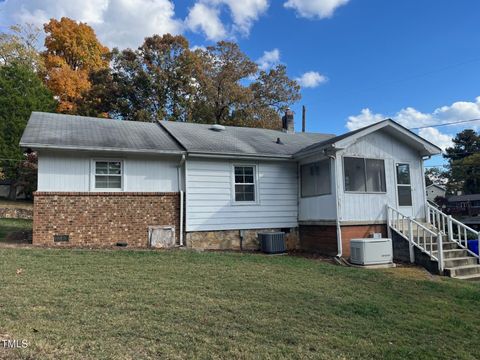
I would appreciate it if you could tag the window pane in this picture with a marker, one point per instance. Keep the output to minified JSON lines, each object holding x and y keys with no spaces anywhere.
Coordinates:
{"x":114,"y":182}
{"x":307,"y":175}
{"x":244,"y":175}
{"x":375,"y":175}
{"x":404,"y":196}
{"x":114,"y":167}
{"x":248,"y":170}
{"x":248,"y":179}
{"x":101,"y":182}
{"x":101,"y":167}
{"x":403,"y":174}
{"x":315,"y":178}
{"x":354,"y":174}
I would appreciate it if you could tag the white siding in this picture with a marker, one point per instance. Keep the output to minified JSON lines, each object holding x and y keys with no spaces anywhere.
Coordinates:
{"x":60,"y":172}
{"x":371,"y":207}
{"x":318,"y":207}
{"x":71,"y":172}
{"x":210,"y":204}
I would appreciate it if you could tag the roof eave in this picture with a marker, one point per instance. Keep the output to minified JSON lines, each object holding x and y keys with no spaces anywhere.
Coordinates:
{"x":36,"y":146}
{"x":238,"y":156}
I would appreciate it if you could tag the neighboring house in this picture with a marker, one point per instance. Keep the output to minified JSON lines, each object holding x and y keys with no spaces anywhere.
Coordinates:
{"x":463,"y":205}
{"x":434,"y":191}
{"x":106,"y":181}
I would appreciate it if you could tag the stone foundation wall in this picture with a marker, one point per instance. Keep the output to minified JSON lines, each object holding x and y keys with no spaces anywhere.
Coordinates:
{"x":230,"y":239}
{"x":16,"y":213}
{"x":102,"y":219}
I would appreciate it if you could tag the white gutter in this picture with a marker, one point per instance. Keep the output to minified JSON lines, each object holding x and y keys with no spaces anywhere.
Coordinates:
{"x":99,"y":148}
{"x":240,"y":156}
{"x":180,"y":188}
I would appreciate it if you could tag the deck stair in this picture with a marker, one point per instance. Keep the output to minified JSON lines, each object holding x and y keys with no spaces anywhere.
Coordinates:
{"x":442,"y":238}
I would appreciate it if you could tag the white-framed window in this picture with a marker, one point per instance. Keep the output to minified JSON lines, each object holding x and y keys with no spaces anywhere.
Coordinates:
{"x":315,"y":178}
{"x":244,"y":183}
{"x":107,"y":175}
{"x":364,"y":175}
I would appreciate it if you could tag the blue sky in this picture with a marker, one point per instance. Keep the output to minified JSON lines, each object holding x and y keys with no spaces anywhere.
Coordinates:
{"x":417,"y":62}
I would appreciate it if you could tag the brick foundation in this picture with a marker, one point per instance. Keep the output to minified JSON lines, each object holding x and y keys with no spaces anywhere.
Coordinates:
{"x":102,"y":219}
{"x":230,"y":239}
{"x":350,"y":232}
{"x":323,"y":238}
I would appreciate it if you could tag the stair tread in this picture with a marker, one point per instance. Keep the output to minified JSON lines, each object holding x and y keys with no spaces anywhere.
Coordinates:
{"x":464,"y":267}
{"x":460,"y":258}
{"x":467,"y":277}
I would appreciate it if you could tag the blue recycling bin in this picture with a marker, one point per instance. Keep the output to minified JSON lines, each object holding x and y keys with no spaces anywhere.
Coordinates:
{"x":473,"y":246}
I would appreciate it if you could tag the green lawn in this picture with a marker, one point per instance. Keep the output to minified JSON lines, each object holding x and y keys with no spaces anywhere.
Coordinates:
{"x":123,"y":304}
{"x":14,"y":230}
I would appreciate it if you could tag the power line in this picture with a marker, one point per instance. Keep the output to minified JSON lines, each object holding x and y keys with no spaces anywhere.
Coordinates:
{"x":445,"y":124}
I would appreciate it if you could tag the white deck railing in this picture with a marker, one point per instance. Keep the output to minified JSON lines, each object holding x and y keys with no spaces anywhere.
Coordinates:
{"x":417,"y":235}
{"x":455,"y":230}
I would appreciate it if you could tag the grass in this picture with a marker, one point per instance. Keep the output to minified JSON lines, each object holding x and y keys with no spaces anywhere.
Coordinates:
{"x":14,"y":230}
{"x":114,"y":304}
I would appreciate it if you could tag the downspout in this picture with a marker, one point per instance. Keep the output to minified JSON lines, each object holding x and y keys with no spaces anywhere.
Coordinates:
{"x":337,"y":209}
{"x":424,"y":188}
{"x":180,"y":188}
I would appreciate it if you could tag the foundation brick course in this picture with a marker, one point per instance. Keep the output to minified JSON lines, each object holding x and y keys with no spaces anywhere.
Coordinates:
{"x":323,"y":238}
{"x":102,"y":219}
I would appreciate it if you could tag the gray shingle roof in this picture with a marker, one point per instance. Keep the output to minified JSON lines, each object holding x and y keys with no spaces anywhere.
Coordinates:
{"x":471,"y":197}
{"x":45,"y":130}
{"x":200,"y":138}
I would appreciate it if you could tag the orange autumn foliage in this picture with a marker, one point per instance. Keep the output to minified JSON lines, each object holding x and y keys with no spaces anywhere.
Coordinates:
{"x":72,"y":53}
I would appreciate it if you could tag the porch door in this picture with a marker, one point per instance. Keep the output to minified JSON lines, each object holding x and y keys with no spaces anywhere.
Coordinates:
{"x":404,"y":189}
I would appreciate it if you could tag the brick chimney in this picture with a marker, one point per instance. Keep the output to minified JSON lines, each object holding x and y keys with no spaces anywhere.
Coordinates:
{"x":288,"y":123}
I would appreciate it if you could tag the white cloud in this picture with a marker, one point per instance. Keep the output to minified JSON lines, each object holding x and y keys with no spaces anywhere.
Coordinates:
{"x":269,"y":59}
{"x":122,"y":23}
{"x":412,"y":118}
{"x":206,"y":19}
{"x":311,"y":79}
{"x":315,"y":8}
{"x":436,"y":137}
{"x":205,"y":16}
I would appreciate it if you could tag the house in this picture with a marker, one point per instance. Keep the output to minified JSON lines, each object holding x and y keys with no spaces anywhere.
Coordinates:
{"x":102,"y":181}
{"x":434,"y":191}
{"x":463,"y":205}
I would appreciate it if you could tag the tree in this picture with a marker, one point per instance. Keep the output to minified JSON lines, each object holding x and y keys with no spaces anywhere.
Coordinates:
{"x":72,"y":53}
{"x":435,"y":176}
{"x":19,"y":46}
{"x":164,"y":80}
{"x":21,"y":92}
{"x":464,"y":163}
{"x":221,"y":93}
{"x":27,"y":175}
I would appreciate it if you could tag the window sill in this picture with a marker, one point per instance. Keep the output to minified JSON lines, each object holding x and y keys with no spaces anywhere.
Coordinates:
{"x":313,"y":196}
{"x":244,"y":203}
{"x":366,"y":193}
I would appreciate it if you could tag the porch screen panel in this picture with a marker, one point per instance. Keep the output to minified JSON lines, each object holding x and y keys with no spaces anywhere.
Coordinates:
{"x":375,"y":172}
{"x":315,"y":178}
{"x":354,"y":169}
